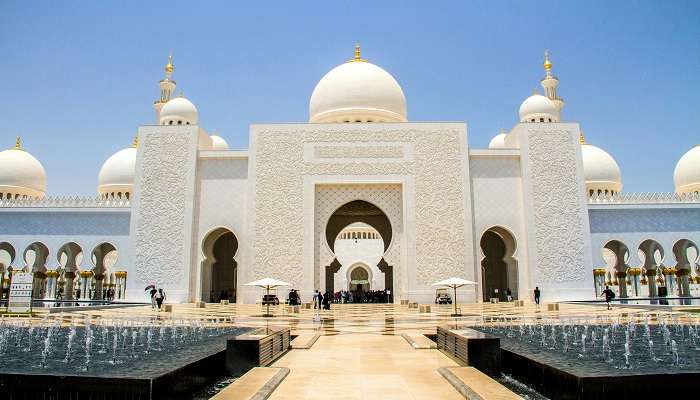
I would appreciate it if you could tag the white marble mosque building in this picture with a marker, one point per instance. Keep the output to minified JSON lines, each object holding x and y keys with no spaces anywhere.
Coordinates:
{"x":357,"y":197}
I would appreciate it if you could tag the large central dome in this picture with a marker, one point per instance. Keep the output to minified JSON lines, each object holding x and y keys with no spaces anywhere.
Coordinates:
{"x":357,"y":91}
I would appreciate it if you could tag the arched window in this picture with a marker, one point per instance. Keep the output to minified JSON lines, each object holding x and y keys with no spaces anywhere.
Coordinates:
{"x":541,"y":119}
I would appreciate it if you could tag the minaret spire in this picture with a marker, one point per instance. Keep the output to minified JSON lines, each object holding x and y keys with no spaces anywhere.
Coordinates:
{"x":167,"y":87}
{"x":358,"y":55}
{"x":550,"y":82}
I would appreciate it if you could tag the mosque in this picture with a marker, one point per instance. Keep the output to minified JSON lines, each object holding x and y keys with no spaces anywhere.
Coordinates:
{"x":358,"y":197}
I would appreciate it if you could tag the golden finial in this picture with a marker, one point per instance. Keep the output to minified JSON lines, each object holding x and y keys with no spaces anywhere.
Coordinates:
{"x":547,"y":63}
{"x":18,"y":143}
{"x":581,"y":139}
{"x":358,"y":56}
{"x":169,"y":67}
{"x":501,"y":131}
{"x":534,"y":91}
{"x":136,"y":141}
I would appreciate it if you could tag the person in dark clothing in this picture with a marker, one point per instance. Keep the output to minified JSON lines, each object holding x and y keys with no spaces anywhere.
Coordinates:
{"x":153,"y":297}
{"x":509,"y":295}
{"x":609,"y":295}
{"x":537,"y":295}
{"x":160,"y":298}
{"x":327,"y":301}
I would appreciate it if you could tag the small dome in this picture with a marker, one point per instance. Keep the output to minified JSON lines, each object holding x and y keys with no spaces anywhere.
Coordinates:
{"x":538,"y":108}
{"x":21,"y":174}
{"x":498,"y":141}
{"x":686,"y":176}
{"x":600,"y":170}
{"x":218,"y":143}
{"x":116,"y":177}
{"x":179,"y":111}
{"x":357,"y":91}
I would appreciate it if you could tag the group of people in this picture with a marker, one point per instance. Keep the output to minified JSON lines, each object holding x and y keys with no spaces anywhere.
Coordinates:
{"x":107,"y":294}
{"x":225,"y":294}
{"x":157,"y":297}
{"x":360,"y":296}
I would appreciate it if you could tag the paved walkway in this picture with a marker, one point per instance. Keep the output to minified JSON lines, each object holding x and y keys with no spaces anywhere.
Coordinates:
{"x":364,"y":366}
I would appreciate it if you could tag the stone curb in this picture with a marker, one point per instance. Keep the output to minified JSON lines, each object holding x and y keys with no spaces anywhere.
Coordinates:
{"x":457,"y":383}
{"x":271,"y":384}
{"x":415,"y":345}
{"x":308,"y":344}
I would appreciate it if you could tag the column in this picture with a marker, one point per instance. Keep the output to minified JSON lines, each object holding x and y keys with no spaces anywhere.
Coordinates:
{"x":85,"y":284}
{"x":651,"y":281}
{"x":68,"y":289}
{"x":622,"y":281}
{"x":670,"y":278}
{"x":38,"y":285}
{"x":51,"y":284}
{"x":599,"y":280}
{"x":683,"y":282}
{"x":2,"y":279}
{"x":121,"y":284}
{"x":99,"y":279}
{"x":634,"y":274}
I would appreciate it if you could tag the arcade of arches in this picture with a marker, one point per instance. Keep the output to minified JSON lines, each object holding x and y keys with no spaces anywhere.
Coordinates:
{"x":219,"y":268}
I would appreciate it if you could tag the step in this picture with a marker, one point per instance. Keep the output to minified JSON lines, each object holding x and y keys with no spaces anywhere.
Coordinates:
{"x":475,"y":385}
{"x":256,"y":384}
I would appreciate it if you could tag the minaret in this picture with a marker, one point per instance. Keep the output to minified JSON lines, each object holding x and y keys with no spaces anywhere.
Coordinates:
{"x":167,"y":87}
{"x":550,"y":83}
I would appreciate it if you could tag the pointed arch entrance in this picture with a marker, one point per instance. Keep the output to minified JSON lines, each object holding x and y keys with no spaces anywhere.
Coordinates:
{"x":499,"y":268}
{"x":219,"y":267}
{"x":349,"y":214}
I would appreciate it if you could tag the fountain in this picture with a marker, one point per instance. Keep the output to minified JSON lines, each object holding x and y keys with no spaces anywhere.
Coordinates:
{"x":82,"y":356}
{"x":600,"y":354}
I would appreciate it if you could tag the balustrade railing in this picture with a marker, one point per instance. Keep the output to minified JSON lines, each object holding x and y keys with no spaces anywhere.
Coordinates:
{"x":66,"y":202}
{"x":643,"y":198}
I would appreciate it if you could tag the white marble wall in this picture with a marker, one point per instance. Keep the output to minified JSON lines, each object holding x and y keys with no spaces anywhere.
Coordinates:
{"x":222,"y":193}
{"x":556,"y":210}
{"x":496,"y":179}
{"x":163,"y":207}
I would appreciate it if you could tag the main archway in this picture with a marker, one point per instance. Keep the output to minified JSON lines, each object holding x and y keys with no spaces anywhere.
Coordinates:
{"x":358,"y":214}
{"x":219,"y":267}
{"x":499,"y":268}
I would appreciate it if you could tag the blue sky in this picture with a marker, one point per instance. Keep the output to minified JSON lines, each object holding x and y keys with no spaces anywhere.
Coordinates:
{"x":79,"y":77}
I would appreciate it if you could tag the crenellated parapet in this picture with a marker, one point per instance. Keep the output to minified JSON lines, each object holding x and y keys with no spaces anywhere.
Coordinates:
{"x":643,"y":198}
{"x":66,"y":202}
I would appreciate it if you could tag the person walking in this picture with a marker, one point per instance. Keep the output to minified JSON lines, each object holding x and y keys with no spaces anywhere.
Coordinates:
{"x":153,"y":297}
{"x":509,"y":295}
{"x":537,"y":295}
{"x":609,"y":295}
{"x":160,"y":298}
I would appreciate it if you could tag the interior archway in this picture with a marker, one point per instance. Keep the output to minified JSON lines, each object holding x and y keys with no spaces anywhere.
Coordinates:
{"x":219,"y":267}
{"x":499,"y":268}
{"x":104,"y":256}
{"x":359,"y":278}
{"x":368,"y":214}
{"x":7,"y":254}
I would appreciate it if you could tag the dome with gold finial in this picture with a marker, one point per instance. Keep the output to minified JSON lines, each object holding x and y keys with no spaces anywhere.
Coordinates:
{"x":116,"y":178}
{"x":538,"y":108}
{"x":600,"y":170}
{"x":179,"y":111}
{"x":21,"y":174}
{"x":357,"y":91}
{"x":218,"y":143}
{"x":686,"y":175}
{"x":498,"y":141}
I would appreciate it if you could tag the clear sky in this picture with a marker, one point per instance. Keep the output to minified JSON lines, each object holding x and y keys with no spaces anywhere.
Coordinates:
{"x":79,"y":77}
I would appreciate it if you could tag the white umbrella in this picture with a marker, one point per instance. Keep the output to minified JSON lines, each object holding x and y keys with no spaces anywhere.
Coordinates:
{"x":267,"y":284}
{"x":454,"y":283}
